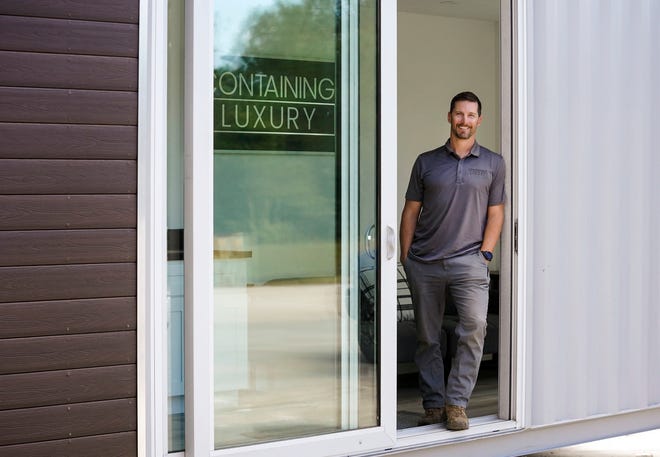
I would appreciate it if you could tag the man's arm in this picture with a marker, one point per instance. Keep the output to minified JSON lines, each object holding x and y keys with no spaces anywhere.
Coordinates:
{"x":494,"y":222}
{"x":409,"y":217}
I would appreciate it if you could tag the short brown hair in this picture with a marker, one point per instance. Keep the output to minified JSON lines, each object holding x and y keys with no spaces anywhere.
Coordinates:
{"x":465,"y":97}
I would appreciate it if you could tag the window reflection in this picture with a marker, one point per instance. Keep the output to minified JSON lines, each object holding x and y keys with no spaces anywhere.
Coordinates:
{"x":286,"y":240}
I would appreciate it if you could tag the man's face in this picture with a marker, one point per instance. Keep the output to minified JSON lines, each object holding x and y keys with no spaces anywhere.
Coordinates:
{"x":464,"y":119}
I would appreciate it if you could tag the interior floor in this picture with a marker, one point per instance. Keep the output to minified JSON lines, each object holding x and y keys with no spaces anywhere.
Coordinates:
{"x":482,"y":403}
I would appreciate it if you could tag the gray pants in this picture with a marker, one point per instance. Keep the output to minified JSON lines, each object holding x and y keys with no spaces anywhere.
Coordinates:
{"x":466,"y":278}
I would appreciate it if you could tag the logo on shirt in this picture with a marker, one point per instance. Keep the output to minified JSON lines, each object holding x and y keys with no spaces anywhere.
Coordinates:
{"x":478,"y":172}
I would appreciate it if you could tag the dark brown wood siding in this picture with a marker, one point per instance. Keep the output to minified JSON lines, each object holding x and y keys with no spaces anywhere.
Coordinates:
{"x":68,"y":220}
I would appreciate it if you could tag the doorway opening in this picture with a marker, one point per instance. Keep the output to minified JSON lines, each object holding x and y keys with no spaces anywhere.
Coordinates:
{"x":445,"y":48}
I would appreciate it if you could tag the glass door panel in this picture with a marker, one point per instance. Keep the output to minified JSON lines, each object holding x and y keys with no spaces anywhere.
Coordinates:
{"x":175,"y":225}
{"x":295,"y":217}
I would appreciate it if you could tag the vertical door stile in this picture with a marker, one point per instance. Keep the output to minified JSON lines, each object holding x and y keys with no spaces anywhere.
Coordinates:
{"x":198,"y":230}
{"x":350,"y":207}
{"x":387,"y":119}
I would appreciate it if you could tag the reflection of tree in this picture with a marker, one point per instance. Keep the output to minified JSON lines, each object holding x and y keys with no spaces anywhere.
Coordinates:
{"x":287,"y":197}
{"x":302,"y":29}
{"x":277,"y":198}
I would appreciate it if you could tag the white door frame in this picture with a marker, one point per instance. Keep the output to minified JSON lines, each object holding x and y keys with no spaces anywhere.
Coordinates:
{"x":199,"y":262}
{"x":152,"y":249}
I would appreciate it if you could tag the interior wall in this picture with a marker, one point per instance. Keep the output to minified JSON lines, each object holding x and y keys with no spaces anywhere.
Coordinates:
{"x":438,"y":58}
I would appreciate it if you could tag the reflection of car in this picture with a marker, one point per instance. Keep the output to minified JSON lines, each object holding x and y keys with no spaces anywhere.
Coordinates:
{"x":406,"y":335}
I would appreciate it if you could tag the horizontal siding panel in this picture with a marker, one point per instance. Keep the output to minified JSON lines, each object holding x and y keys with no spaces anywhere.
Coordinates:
{"x":42,"y":176}
{"x":99,"y":10}
{"x":62,"y":282}
{"x":62,"y":317}
{"x":35,"y":34}
{"x":63,"y":247}
{"x":26,"y":355}
{"x":36,"y":212}
{"x":61,"y":106}
{"x":23,"y":69}
{"x":61,"y":422}
{"x":112,"y":445}
{"x":60,"y":141}
{"x":68,"y":214}
{"x":29,"y":390}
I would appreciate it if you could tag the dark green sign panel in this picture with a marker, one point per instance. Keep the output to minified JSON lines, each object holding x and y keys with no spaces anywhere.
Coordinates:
{"x":272,"y":104}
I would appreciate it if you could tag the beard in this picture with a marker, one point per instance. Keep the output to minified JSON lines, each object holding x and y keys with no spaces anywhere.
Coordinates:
{"x":463,"y":134}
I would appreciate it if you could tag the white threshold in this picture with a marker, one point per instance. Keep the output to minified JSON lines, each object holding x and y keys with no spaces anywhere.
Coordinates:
{"x":432,"y":435}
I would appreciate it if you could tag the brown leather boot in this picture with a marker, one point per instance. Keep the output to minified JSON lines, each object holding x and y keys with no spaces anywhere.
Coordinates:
{"x":433,"y":416}
{"x":456,"y":418}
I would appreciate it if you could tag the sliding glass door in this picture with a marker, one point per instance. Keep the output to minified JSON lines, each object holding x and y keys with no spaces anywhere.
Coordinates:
{"x":281,"y":172}
{"x":295,"y":224}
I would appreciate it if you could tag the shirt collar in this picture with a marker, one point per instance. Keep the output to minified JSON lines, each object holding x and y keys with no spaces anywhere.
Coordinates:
{"x":475,"y":150}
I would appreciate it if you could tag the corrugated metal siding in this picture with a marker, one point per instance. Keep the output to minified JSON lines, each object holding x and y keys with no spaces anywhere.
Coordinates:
{"x":68,"y":180}
{"x":594,"y":164}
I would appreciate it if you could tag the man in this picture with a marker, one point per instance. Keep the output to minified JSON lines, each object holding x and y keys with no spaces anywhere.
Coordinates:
{"x":450,"y":224}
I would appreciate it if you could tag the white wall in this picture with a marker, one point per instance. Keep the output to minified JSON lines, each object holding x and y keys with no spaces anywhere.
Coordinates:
{"x":594,"y":208}
{"x":438,"y":58}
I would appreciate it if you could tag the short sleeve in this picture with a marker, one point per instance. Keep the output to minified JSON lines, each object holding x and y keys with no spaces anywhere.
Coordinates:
{"x":497,"y":194}
{"x":415,"y":190}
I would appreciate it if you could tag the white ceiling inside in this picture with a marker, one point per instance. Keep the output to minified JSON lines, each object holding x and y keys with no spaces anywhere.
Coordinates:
{"x":487,"y":10}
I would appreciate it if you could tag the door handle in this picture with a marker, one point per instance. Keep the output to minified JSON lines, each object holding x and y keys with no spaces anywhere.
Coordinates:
{"x":368,"y":242}
{"x":391,"y":242}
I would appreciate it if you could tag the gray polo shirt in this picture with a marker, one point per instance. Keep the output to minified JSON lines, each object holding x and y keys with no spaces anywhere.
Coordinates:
{"x":455,"y":195}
